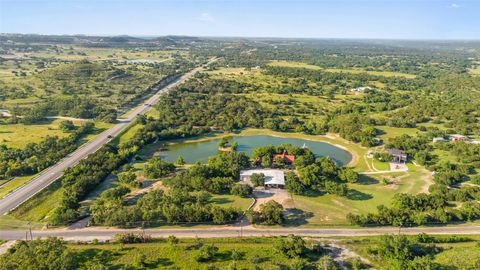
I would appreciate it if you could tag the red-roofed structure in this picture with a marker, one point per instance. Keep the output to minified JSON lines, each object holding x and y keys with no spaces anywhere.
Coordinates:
{"x":289,"y":159}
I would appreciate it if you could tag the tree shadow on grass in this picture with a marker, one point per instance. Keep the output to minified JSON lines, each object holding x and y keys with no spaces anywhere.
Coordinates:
{"x":367,"y":180}
{"x":356,"y":195}
{"x":221,"y":200}
{"x":159,"y":262}
{"x":313,"y":193}
{"x":296,"y":217}
{"x":100,"y":256}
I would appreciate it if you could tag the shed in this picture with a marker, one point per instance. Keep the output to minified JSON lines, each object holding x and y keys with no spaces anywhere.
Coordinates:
{"x":458,"y":137}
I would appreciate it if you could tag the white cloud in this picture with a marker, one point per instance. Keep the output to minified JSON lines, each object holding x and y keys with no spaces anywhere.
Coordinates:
{"x":206,"y":17}
{"x":454,"y":5}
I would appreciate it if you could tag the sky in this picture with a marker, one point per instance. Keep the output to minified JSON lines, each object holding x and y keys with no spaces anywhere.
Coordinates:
{"x":382,"y":19}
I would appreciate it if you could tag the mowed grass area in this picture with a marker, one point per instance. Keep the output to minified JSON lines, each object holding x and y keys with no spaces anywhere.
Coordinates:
{"x":380,"y":165}
{"x":387,"y":132}
{"x":227,"y":200}
{"x":294,"y":64}
{"x":363,"y":197}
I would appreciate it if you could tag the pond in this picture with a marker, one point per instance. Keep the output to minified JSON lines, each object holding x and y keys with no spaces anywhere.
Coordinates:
{"x":200,"y":151}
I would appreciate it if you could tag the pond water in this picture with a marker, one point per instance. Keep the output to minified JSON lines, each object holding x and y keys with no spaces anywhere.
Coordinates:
{"x":200,"y":151}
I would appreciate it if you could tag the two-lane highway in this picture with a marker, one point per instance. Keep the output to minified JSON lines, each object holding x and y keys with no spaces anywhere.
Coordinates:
{"x":25,"y":192}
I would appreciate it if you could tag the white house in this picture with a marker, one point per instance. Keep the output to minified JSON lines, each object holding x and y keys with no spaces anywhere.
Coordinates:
{"x":273,"y":178}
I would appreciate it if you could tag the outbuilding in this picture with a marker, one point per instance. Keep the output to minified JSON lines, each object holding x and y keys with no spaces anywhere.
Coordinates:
{"x":458,"y":138}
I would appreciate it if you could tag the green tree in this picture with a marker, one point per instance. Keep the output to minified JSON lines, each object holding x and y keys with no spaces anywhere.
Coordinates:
{"x":257,"y":179}
{"x":206,"y":253}
{"x":172,"y":240}
{"x":242,"y":190}
{"x":271,"y":213}
{"x":67,"y":126}
{"x":50,"y":253}
{"x":180,"y":161}
{"x":292,"y":246}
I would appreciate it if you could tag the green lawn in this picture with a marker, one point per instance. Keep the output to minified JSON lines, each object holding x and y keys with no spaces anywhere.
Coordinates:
{"x":380,"y":165}
{"x":231,"y":200}
{"x":364,"y":197}
{"x":390,"y":132}
{"x":294,"y":64}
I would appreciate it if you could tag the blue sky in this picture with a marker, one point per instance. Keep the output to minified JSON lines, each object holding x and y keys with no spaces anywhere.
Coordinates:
{"x":392,"y":19}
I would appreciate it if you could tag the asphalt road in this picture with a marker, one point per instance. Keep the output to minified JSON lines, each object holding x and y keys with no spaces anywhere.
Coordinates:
{"x":89,"y":234}
{"x":25,"y":192}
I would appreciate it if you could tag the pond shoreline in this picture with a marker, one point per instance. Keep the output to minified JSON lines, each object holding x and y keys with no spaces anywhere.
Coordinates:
{"x":326,"y":139}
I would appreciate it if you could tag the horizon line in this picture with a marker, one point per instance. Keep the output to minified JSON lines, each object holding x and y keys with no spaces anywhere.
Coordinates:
{"x":247,"y":37}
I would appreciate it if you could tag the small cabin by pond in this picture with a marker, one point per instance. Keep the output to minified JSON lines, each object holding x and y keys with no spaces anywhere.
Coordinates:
{"x":397,"y":155}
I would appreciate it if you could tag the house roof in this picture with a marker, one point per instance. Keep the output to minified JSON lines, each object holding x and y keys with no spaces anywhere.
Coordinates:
{"x":272,"y":177}
{"x":290,"y":158}
{"x":396,"y":152}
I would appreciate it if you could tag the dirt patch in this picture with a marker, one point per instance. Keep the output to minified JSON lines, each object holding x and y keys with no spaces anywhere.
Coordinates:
{"x":148,"y":186}
{"x":427,"y":177}
{"x":279,"y":195}
{"x":338,"y":203}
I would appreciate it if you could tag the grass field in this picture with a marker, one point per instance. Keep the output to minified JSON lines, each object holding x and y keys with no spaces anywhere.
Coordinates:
{"x":390,"y":132}
{"x":159,"y":254}
{"x":352,"y":70}
{"x":293,"y":64}
{"x":474,"y":71}
{"x":363,"y":197}
{"x":380,"y":165}
{"x":463,"y":255}
{"x":19,"y":135}
{"x":231,"y":200}
{"x":38,"y":208}
{"x":256,"y":252}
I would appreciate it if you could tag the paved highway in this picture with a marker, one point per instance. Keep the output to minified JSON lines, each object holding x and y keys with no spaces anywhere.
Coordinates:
{"x":25,"y":192}
{"x":99,"y":233}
